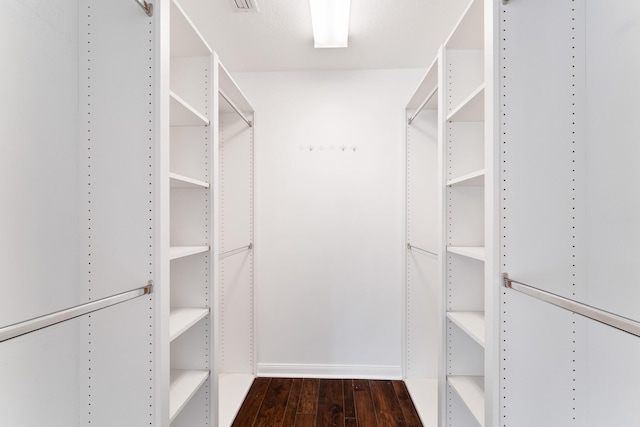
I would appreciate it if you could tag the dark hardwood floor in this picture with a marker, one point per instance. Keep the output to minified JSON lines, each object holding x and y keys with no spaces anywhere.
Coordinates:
{"x":296,"y":402}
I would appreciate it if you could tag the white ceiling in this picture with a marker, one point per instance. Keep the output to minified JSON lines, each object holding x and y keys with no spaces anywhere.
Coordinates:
{"x":382,"y":34}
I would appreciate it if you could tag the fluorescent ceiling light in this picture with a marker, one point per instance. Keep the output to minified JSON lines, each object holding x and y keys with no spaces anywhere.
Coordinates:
{"x":330,"y":20}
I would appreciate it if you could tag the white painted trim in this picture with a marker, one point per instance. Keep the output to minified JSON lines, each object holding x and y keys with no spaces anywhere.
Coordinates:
{"x":372,"y":372}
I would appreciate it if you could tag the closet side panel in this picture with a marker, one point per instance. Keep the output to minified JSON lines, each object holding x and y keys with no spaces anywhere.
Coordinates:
{"x":236,"y":231}
{"x":613,"y":207}
{"x":423,"y":289}
{"x":542,"y":212}
{"x":117,"y":214}
{"x":39,"y":208}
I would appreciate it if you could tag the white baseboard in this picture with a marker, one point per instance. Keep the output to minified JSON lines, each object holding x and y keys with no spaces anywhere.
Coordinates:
{"x":330,"y":371}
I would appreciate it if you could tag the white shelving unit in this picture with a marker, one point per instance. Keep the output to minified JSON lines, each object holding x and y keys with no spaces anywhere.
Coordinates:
{"x":234,"y":389}
{"x":470,"y":389}
{"x":471,"y":109}
{"x":473,"y":252}
{"x":464,"y":194}
{"x":183,"y":114}
{"x":471,"y":322}
{"x":423,"y":323}
{"x":190,"y":332}
{"x":209,"y":182}
{"x":176,"y":252}
{"x":181,"y":181}
{"x":234,"y":223}
{"x":181,"y":319}
{"x":184,"y":385}
{"x":472,"y":178}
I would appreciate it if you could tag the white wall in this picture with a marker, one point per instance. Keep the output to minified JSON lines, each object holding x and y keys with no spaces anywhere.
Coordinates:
{"x":329,"y":220}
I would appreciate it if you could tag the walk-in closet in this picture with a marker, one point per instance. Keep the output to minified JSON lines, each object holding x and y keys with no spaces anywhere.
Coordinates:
{"x":210,"y":217}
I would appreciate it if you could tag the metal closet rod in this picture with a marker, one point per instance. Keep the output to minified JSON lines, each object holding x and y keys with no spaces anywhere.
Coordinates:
{"x":410,"y":247}
{"x":235,"y":251}
{"x":236,"y":109}
{"x":622,"y":323}
{"x":433,"y":92}
{"x":148,"y":7}
{"x":41,"y":322}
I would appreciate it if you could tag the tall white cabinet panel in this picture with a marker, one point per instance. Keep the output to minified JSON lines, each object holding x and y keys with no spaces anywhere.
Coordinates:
{"x":423,"y":292}
{"x":613,"y":208}
{"x":566,"y":218}
{"x":118,"y":187}
{"x":541,"y":227}
{"x":38,"y":177}
{"x":79,"y":117}
{"x":39,"y":254}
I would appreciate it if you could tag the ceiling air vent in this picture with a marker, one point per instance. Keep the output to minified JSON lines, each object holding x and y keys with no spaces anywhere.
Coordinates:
{"x":245,"y":5}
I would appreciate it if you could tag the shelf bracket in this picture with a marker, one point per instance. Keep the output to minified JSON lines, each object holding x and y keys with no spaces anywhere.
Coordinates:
{"x":148,"y":7}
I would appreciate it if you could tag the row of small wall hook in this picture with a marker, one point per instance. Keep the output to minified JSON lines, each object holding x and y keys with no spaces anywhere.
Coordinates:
{"x":329,"y":148}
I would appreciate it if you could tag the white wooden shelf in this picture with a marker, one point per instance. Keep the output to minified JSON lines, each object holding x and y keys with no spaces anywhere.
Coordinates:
{"x":183,"y":114}
{"x":471,"y":322}
{"x":228,"y":86}
{"x":176,"y":252}
{"x":181,"y":181}
{"x":471,"y":391}
{"x":186,"y":40}
{"x":424,"y":393}
{"x":233,"y":390}
{"x":181,"y":319}
{"x":427,"y":85}
{"x":184,"y":385}
{"x":432,"y":104}
{"x":471,"y":109}
{"x":466,"y":31}
{"x":471,"y":179}
{"x":475,"y":252}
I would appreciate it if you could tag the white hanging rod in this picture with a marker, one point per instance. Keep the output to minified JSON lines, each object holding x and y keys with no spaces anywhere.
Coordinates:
{"x":622,"y":323}
{"x":410,"y":247}
{"x":433,"y":92}
{"x":236,"y":109}
{"x":236,"y":251}
{"x":37,"y":323}
{"x":148,"y":7}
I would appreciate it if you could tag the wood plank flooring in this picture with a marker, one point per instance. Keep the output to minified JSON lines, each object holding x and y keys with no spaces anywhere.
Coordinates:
{"x":297,"y":402}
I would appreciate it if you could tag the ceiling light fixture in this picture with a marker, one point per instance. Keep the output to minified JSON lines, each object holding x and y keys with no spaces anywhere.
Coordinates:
{"x":330,"y":20}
